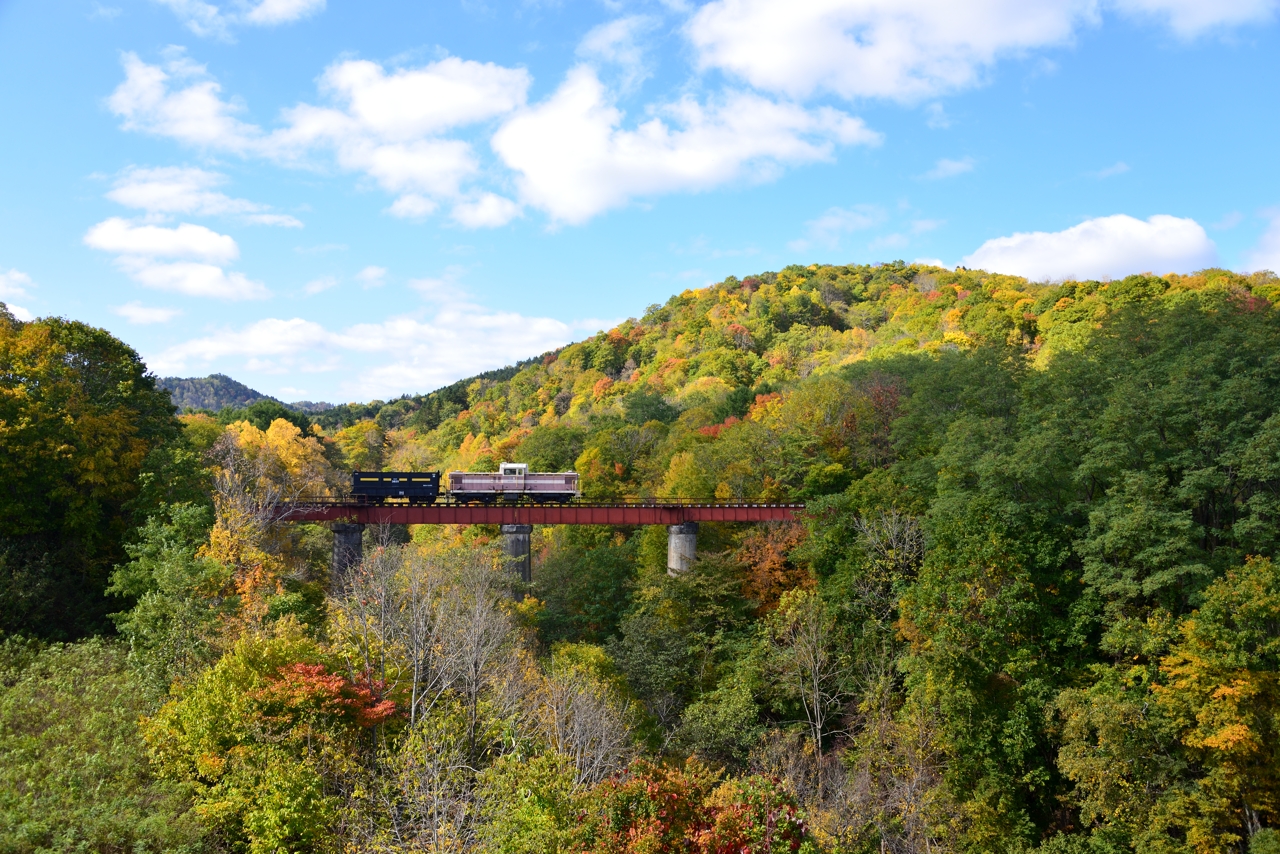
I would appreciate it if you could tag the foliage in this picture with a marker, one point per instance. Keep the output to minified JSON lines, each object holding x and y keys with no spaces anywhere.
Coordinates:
{"x":214,"y":392}
{"x":79,"y":417}
{"x":1031,"y":604}
{"x":261,"y":736}
{"x":74,"y":774}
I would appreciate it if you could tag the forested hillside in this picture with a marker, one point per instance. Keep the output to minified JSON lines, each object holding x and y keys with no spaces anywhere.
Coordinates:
{"x":219,"y":391}
{"x":1032,"y":604}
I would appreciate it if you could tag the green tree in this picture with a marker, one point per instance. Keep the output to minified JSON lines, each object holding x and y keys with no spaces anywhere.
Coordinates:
{"x":79,"y":416}
{"x":74,"y":773}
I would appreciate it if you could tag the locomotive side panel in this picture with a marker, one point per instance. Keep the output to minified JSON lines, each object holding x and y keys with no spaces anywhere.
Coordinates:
{"x":489,"y":487}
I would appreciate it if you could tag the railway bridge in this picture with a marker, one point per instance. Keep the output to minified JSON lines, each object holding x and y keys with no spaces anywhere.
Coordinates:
{"x":517,"y":520}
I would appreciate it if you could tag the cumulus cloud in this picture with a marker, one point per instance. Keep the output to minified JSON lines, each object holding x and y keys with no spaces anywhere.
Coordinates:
{"x":372,"y":276}
{"x":387,"y":125}
{"x":122,"y":237}
{"x":1105,"y":247}
{"x":412,"y":206}
{"x":320,"y":285}
{"x":208,"y":19}
{"x":947,"y":168}
{"x":411,"y":102}
{"x":617,"y":43}
{"x":1266,"y":255}
{"x":13,"y":284}
{"x":1190,"y":18}
{"x":188,"y":190}
{"x":827,"y":229}
{"x":179,"y":100}
{"x":143,"y":253}
{"x":909,"y":50}
{"x":572,"y":156}
{"x":487,"y":211}
{"x":136,"y":312}
{"x":461,"y":339}
{"x":191,"y":278}
{"x":575,"y":160}
{"x":898,"y":49}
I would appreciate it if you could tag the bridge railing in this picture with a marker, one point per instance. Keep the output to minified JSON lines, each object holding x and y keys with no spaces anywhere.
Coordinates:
{"x":444,"y":501}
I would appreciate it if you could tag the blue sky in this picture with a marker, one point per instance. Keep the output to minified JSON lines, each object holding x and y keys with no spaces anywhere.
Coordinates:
{"x":342,"y":201}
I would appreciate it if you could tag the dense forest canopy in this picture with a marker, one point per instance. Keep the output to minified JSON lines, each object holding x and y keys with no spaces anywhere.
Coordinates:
{"x":219,"y":391}
{"x":1032,"y":604}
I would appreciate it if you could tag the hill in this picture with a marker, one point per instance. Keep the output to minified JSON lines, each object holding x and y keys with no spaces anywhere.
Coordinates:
{"x":1030,"y":607}
{"x":218,"y":391}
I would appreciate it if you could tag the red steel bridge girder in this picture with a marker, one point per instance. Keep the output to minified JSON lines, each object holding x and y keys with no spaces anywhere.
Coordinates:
{"x":563,"y":514}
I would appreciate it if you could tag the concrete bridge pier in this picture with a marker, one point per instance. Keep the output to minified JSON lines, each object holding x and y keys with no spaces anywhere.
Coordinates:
{"x":682,"y":547}
{"x":348,"y":549}
{"x":515,"y":544}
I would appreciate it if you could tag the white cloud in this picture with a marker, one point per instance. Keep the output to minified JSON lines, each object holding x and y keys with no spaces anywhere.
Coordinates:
{"x":1118,"y":168}
{"x":316,"y":286}
{"x":617,"y":43}
{"x":191,"y":278}
{"x":827,"y":229}
{"x":372,"y":276}
{"x":140,"y":247}
{"x":153,"y":100}
{"x":1190,"y":18}
{"x":947,"y":168}
{"x":412,"y":206}
{"x":573,"y":157}
{"x":175,"y":189}
{"x":413,"y":102}
{"x":387,"y":125}
{"x":1106,"y":247}
{"x":14,"y":284}
{"x":122,"y":237}
{"x":1266,"y":255}
{"x":208,"y":19}
{"x":271,"y":12}
{"x":188,"y":190}
{"x":487,"y":211}
{"x":936,"y":117}
{"x":136,"y":312}
{"x":459,"y":340}
{"x":260,"y":340}
{"x":898,"y":49}
{"x":575,"y":161}
{"x":930,"y":262}
{"x":282,"y":220}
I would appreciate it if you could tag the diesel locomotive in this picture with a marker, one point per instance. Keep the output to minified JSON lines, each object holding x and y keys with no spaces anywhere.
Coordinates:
{"x":512,"y":483}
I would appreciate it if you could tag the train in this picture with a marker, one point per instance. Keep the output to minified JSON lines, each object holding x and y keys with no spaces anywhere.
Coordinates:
{"x":512,"y":483}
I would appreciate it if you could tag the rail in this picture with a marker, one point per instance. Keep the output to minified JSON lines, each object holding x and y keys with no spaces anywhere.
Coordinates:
{"x":581,"y":512}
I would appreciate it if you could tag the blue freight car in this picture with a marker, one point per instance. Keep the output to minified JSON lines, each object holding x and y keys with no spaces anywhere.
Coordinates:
{"x":410,"y":487}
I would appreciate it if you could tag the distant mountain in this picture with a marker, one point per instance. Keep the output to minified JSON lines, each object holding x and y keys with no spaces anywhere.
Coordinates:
{"x":218,"y":391}
{"x":310,"y":406}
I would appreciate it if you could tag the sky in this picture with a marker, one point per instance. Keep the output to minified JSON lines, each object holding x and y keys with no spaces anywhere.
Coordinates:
{"x":344,"y":201}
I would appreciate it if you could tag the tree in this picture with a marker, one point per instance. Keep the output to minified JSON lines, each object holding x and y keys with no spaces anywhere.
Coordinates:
{"x":263,"y":738}
{"x":172,"y":628}
{"x":74,"y":774}
{"x":79,"y":416}
{"x":804,"y":660}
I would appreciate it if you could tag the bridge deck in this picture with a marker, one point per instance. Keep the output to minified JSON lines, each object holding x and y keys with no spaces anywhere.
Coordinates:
{"x":633,"y":513}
